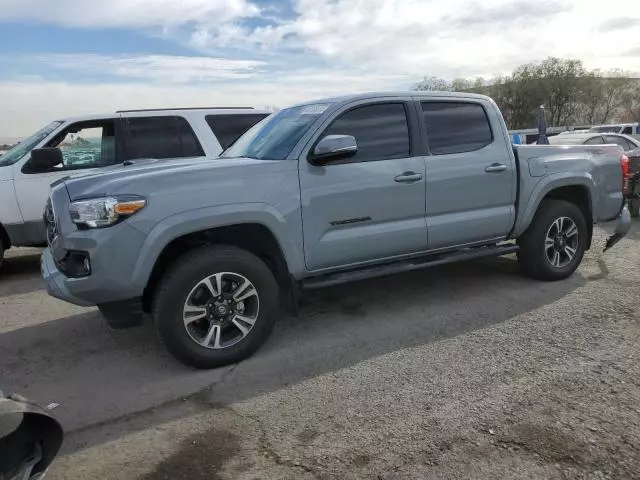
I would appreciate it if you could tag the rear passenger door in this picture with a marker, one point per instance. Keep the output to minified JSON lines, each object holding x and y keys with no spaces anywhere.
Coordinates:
{"x":228,"y":128}
{"x":159,"y":137}
{"x":470,"y":172}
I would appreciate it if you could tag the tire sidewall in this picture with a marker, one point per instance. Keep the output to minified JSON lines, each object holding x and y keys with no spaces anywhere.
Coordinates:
{"x":169,"y":303}
{"x":535,"y":242}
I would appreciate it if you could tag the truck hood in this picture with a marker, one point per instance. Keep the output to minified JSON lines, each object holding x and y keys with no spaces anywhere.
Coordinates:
{"x":135,"y":176}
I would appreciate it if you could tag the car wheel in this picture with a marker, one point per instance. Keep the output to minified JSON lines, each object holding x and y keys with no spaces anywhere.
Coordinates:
{"x":634,"y":207}
{"x":216,"y":306}
{"x":554,"y":244}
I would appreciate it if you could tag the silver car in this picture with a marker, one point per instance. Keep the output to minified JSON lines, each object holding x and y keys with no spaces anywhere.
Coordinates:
{"x":593,"y":138}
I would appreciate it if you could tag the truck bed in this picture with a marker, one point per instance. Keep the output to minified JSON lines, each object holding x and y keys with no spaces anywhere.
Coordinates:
{"x":598,"y":168}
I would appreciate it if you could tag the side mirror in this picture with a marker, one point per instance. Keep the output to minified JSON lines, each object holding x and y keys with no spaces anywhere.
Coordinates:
{"x":44,"y":159}
{"x":333,"y":147}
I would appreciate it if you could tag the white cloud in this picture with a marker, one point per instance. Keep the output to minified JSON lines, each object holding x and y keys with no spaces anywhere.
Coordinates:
{"x":27,"y":105}
{"x":128,"y":13}
{"x":452,"y":38}
{"x":344,"y":46}
{"x":157,"y":68}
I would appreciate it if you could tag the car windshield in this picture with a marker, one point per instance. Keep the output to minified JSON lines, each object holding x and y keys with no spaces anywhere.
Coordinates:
{"x":274,"y":137}
{"x":24,"y":147}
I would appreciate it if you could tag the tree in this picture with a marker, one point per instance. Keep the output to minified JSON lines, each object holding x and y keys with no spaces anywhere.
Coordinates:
{"x":560,"y":82}
{"x":570,"y":93}
{"x":433,"y":84}
{"x":631,"y":104}
{"x":615,"y":89}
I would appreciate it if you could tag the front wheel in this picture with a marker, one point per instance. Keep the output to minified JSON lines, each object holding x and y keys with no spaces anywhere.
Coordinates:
{"x":554,"y":244}
{"x":216,"y":306}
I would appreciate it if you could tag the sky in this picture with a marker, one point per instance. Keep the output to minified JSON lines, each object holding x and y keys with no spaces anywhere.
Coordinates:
{"x":73,"y":57}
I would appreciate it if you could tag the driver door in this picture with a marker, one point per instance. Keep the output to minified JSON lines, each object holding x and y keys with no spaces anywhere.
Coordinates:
{"x":85,"y":147}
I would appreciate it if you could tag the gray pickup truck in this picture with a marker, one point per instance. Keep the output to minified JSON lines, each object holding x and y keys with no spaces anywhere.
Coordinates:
{"x":319,"y":194}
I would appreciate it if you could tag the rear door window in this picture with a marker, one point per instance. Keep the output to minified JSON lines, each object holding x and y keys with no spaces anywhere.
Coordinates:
{"x":160,"y":137}
{"x":623,"y":142}
{"x":228,"y":128}
{"x":594,"y":141}
{"x":456,"y":127}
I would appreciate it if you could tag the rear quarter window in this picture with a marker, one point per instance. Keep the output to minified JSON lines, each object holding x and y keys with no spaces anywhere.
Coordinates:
{"x":456,"y":127}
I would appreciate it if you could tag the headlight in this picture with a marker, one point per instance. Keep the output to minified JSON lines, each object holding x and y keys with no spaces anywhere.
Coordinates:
{"x":106,"y":211}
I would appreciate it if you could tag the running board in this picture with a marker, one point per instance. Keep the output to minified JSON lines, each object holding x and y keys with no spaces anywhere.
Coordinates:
{"x":407,"y":265}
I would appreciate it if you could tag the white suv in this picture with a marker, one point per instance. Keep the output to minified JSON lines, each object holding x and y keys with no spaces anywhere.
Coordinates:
{"x":93,"y":142}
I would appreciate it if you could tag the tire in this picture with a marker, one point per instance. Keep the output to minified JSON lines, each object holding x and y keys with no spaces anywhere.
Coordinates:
{"x":535,"y":259}
{"x":184,"y":287}
{"x":634,"y":207}
{"x":1,"y":252}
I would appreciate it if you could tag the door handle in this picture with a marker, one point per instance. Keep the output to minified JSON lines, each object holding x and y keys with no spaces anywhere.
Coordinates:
{"x":496,"y":168}
{"x":408,"y":177}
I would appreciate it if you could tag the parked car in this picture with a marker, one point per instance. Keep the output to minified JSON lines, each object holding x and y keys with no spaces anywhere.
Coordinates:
{"x":569,"y":138}
{"x":87,"y":144}
{"x":322,"y":193}
{"x":623,"y":128}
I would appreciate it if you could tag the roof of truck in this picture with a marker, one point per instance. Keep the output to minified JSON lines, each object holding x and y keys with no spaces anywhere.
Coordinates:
{"x":165,"y":111}
{"x":364,"y":96}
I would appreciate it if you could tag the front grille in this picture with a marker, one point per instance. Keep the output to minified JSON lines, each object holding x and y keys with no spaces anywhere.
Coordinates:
{"x":50,"y":223}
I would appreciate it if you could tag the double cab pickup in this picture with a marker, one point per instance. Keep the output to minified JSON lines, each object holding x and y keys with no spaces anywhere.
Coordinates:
{"x":322,"y":193}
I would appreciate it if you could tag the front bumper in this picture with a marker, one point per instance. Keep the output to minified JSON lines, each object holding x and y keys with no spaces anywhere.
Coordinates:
{"x":56,"y":281}
{"x":623,"y":226}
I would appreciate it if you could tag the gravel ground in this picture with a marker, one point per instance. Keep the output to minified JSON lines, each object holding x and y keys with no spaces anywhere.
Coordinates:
{"x":461,"y":372}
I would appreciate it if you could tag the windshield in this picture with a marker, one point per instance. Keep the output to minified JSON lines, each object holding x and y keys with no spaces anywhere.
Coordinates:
{"x":274,"y":137}
{"x":607,"y":129}
{"x":24,"y":147}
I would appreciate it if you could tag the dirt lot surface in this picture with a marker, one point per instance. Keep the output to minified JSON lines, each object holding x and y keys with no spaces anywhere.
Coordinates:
{"x":468,"y":371}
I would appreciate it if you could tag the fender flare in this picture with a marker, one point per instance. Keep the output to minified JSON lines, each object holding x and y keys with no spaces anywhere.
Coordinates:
{"x":546,"y":186}
{"x":201,"y":219}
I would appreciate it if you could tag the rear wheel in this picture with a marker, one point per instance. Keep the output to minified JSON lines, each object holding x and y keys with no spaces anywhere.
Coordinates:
{"x":554,"y":244}
{"x":216,"y":306}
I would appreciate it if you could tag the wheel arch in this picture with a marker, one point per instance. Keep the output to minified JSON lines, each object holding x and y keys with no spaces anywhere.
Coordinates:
{"x":580,"y":196}
{"x":577,"y":190}
{"x":253,"y":237}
